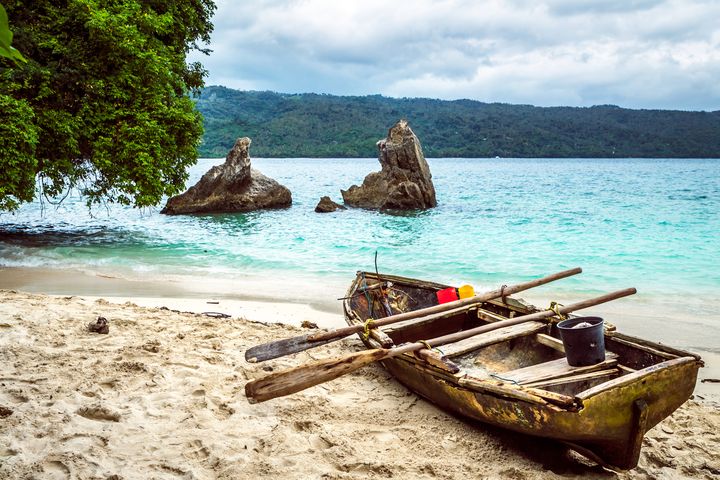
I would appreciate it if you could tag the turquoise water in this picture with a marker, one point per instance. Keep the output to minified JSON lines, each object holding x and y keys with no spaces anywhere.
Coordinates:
{"x":652,"y":224}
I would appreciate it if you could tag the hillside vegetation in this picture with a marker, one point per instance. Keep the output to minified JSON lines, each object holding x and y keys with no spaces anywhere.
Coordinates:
{"x":311,"y":125}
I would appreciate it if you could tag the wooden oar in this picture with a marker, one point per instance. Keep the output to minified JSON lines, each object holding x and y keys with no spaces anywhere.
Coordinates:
{"x":286,"y":346}
{"x":283,"y":383}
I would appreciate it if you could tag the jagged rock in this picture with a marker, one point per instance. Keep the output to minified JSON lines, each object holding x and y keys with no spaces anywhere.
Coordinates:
{"x":231,"y":187}
{"x":405,"y":181}
{"x":326,"y":205}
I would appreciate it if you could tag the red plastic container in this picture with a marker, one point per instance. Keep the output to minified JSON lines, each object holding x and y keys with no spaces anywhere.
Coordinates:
{"x":447,"y":295}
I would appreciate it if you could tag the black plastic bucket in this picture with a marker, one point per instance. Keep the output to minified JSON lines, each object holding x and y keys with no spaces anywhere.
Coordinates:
{"x":583,"y":345}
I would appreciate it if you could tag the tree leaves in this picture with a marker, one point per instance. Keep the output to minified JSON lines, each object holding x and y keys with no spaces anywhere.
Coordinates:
{"x":6,"y":36}
{"x":107,"y":84}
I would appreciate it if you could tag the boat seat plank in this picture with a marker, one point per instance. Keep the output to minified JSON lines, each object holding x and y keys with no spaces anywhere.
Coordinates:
{"x":489,"y":316}
{"x":582,"y":377}
{"x":552,"y":342}
{"x":416,"y":322}
{"x":554,"y":369}
{"x":483,"y":340}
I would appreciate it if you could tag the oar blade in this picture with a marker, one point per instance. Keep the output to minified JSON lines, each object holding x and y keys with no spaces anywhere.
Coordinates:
{"x":290,"y":381}
{"x":280,"y":348}
{"x":287,"y":346}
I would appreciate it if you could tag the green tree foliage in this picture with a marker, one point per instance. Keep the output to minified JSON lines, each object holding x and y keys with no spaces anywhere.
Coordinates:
{"x":6,"y":48}
{"x":310,"y":125}
{"x":102,"y":103}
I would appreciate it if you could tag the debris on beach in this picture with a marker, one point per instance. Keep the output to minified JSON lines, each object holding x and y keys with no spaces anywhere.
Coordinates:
{"x":216,"y":314}
{"x":99,"y":326}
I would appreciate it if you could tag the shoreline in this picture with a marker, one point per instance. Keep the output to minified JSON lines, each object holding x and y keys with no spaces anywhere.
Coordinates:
{"x":256,"y":299}
{"x":292,"y":300}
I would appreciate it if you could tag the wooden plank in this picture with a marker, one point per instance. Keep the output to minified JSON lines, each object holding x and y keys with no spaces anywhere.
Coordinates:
{"x":553,"y":369}
{"x":644,"y":348}
{"x":425,"y":320}
{"x":552,"y":342}
{"x":550,"y":400}
{"x":653,"y":345}
{"x":630,"y":378}
{"x":381,"y":337}
{"x":488,"y":316}
{"x":626,"y":369}
{"x":436,"y":359}
{"x":500,"y":388}
{"x":565,"y":401}
{"x":517,"y":306}
{"x":573,"y":378}
{"x":483,"y":340}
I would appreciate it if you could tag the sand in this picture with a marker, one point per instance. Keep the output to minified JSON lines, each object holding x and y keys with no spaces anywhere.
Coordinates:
{"x":161,"y":396}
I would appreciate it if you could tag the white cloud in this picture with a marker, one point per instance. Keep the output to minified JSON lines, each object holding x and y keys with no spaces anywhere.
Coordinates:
{"x":635,"y":53}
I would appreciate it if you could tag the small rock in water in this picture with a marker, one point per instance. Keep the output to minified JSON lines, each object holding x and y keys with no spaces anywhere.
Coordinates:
{"x":326,"y":205}
{"x":582,"y":325}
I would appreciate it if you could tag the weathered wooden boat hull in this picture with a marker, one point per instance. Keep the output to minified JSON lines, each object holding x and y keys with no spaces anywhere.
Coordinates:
{"x":605,"y":422}
{"x":608,"y":428}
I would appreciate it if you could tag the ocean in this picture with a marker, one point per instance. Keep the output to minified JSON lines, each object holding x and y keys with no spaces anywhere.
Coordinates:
{"x":648,"y":223}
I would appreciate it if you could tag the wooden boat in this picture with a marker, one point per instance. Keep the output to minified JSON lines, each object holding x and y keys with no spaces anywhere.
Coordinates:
{"x":518,"y":378}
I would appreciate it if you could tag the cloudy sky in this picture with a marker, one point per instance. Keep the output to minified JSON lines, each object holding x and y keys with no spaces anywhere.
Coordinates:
{"x":633,"y":53}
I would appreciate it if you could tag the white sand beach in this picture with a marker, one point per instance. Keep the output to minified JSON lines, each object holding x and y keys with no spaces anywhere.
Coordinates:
{"x":161,"y":396}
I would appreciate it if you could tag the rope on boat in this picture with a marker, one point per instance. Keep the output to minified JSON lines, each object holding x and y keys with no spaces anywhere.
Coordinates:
{"x":367,"y":295}
{"x":366,"y":331}
{"x":503,"y":296}
{"x":555,"y":307}
{"x":509,"y":380}
{"x":430,"y":347}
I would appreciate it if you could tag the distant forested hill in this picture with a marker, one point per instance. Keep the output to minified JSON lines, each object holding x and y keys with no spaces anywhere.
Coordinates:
{"x":310,"y":125}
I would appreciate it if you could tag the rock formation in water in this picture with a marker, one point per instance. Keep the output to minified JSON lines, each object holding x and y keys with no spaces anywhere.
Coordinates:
{"x":404,"y":183}
{"x":326,"y":205}
{"x":231,"y":187}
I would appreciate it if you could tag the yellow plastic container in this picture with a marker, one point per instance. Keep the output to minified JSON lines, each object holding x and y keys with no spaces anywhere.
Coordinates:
{"x":466,"y":291}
